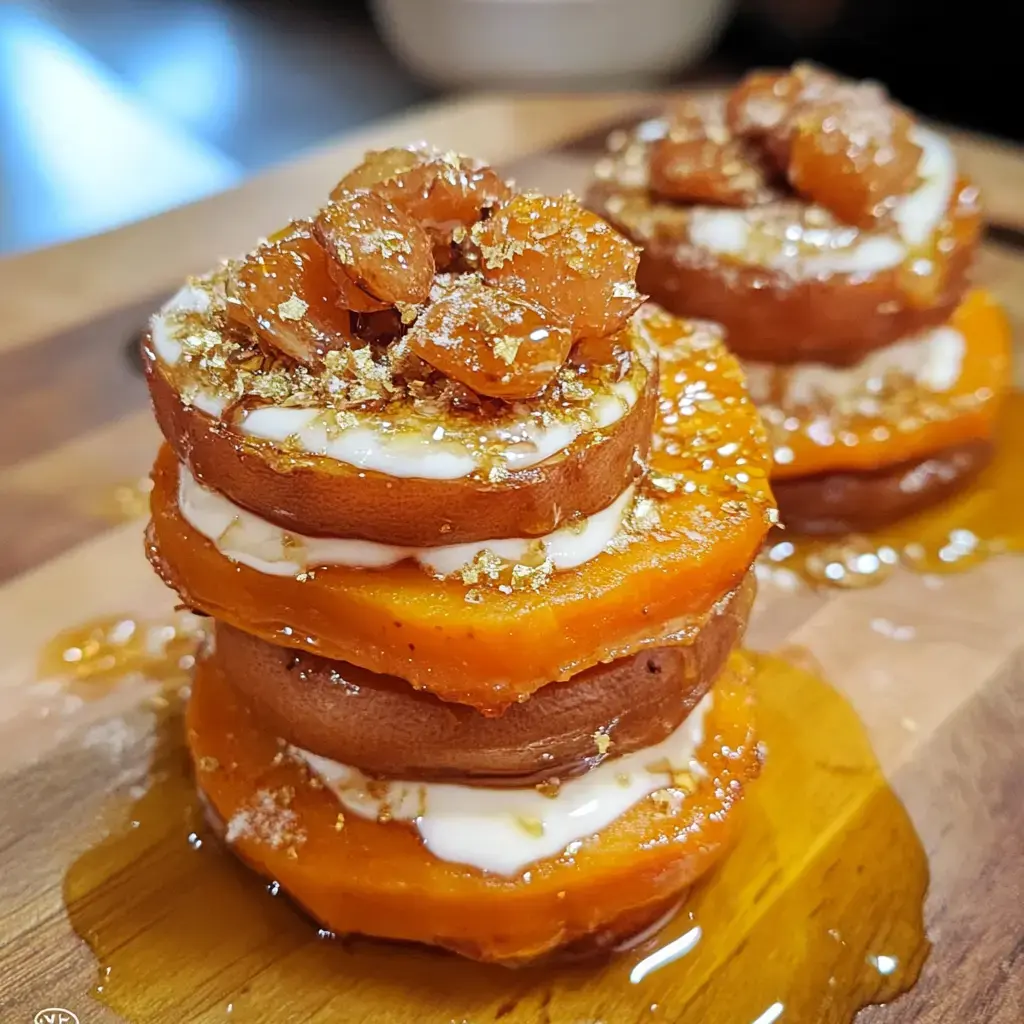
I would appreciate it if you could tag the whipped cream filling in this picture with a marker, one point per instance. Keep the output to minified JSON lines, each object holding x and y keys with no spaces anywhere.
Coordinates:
{"x":933,"y":359}
{"x":836,"y":248}
{"x":425,"y":451}
{"x":247,"y":538}
{"x":504,"y":831}
{"x":437,"y":455}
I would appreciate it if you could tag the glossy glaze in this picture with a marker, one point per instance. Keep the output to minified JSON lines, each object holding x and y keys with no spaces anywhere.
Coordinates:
{"x":982,"y":521}
{"x":815,"y":913}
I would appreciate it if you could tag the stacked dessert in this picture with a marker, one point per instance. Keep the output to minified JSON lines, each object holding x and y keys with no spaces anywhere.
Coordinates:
{"x":831,"y":235}
{"x":476,"y":530}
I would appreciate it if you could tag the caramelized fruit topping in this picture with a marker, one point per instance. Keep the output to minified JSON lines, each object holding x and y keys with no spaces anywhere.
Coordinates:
{"x":854,"y":155}
{"x":490,"y":340}
{"x":843,"y":145}
{"x":383,"y":251}
{"x":553,"y":252}
{"x":445,"y":192}
{"x":284,"y":293}
{"x":761,"y":103}
{"x":701,"y":161}
{"x":354,"y":310}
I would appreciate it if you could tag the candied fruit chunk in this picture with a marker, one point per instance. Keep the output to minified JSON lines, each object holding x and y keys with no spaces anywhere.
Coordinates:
{"x":843,"y":145}
{"x":762,"y":106}
{"x":350,"y":295}
{"x":613,"y":351}
{"x":699,"y":160}
{"x":383,"y":251}
{"x":553,"y":252}
{"x":446,"y":192}
{"x":442,"y":191}
{"x":762,"y":102}
{"x":491,"y":341}
{"x":283,"y":291}
{"x":854,"y":156}
{"x":379,"y":166}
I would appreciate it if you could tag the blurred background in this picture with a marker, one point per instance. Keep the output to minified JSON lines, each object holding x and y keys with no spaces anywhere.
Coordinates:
{"x":112,"y":110}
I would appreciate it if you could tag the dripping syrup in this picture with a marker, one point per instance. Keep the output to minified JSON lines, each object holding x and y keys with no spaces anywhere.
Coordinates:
{"x":982,"y":521}
{"x":814,"y":914}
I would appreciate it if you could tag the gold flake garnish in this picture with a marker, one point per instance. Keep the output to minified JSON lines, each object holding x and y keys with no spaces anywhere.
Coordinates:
{"x":505,"y":348}
{"x":497,"y":473}
{"x":386,"y":241}
{"x":668,"y":801}
{"x":407,"y":312}
{"x":496,"y":256}
{"x":339,"y":822}
{"x":602,"y":741}
{"x":643,"y":516}
{"x":549,"y":788}
{"x":207,"y":764}
{"x":292,"y":309}
{"x":573,"y":388}
{"x":474,"y":596}
{"x":532,"y":577}
{"x":662,"y":483}
{"x":486,"y":566}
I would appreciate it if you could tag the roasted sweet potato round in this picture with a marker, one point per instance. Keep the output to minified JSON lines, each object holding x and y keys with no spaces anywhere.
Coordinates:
{"x":700,"y":520}
{"x":318,"y":495}
{"x":383,"y":726}
{"x":354,"y":875}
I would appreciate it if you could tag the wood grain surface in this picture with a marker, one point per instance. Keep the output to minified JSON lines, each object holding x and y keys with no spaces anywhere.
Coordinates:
{"x":944,"y":709}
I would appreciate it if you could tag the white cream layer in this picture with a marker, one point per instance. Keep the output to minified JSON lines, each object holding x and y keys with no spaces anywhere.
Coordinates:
{"x":503,"y":831}
{"x":839,"y":249}
{"x":427,"y":454}
{"x":247,"y":538}
{"x":933,"y":359}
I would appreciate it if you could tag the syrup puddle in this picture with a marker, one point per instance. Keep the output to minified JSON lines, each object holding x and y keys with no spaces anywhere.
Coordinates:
{"x":983,"y":521}
{"x":101,"y":653}
{"x":125,"y":501}
{"x":815,"y":913}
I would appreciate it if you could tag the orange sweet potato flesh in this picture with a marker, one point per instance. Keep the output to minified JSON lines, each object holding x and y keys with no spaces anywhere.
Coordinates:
{"x":985,"y":370}
{"x":709,"y":450}
{"x":378,"y":879}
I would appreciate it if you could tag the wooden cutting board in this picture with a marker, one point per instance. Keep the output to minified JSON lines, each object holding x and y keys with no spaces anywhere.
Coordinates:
{"x":932,"y":665}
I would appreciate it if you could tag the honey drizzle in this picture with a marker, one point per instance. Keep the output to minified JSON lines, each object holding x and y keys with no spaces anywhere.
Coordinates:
{"x":814,"y":914}
{"x":983,"y":520}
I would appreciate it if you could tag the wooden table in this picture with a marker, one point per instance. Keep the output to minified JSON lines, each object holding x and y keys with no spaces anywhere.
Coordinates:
{"x":945,"y":710}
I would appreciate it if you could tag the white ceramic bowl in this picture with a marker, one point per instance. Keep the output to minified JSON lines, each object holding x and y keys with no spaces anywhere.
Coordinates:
{"x":548,"y":43}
